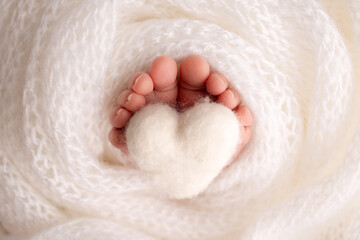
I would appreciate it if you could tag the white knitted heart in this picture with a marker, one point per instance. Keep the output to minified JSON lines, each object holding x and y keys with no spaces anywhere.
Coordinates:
{"x":183,"y":152}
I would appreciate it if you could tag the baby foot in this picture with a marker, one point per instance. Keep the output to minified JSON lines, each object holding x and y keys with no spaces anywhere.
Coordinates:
{"x":196,"y":81}
{"x":160,"y":85}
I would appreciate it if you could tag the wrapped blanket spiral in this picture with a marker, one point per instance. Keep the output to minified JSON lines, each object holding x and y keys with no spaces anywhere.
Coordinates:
{"x":296,"y":64}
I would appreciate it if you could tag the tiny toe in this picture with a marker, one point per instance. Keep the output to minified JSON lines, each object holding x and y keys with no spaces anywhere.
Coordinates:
{"x":131,"y":100}
{"x":194,"y":71}
{"x":117,"y":139}
{"x":244,"y":115}
{"x":216,"y":84}
{"x":245,"y":137}
{"x":163,"y":72}
{"x":142,"y":84}
{"x":120,"y":117}
{"x":230,"y":98}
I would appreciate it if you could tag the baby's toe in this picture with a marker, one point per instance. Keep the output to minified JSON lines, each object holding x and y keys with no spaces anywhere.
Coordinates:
{"x":216,"y":84}
{"x":120,"y":117}
{"x":230,"y":98}
{"x":245,"y":136}
{"x":194,"y":71}
{"x":163,"y":72}
{"x":141,"y":83}
{"x":117,"y":139}
{"x":244,"y":115}
{"x":131,"y":100}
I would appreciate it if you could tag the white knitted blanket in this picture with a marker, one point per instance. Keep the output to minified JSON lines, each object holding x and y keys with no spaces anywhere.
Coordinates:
{"x":296,"y":63}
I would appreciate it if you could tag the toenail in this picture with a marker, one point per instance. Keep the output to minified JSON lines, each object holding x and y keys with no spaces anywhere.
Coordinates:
{"x":242,"y":129}
{"x":224,"y":82}
{"x":119,"y":112}
{"x":232,"y":93}
{"x":129,"y":97}
{"x":245,"y":116}
{"x":137,"y":79}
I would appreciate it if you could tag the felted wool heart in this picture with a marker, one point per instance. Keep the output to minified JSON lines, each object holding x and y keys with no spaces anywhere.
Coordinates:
{"x":183,"y":152}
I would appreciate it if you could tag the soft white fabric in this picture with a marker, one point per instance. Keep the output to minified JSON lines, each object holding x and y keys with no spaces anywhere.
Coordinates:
{"x":295,"y":63}
{"x":183,"y":152}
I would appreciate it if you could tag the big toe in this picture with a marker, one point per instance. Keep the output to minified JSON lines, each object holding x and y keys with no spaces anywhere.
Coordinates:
{"x":163,"y":72}
{"x":194,"y":71}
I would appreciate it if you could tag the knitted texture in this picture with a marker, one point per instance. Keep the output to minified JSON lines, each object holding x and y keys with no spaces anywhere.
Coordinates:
{"x":295,"y":63}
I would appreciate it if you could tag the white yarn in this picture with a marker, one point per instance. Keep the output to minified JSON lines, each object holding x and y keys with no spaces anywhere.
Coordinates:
{"x":183,"y":152}
{"x":295,"y":63}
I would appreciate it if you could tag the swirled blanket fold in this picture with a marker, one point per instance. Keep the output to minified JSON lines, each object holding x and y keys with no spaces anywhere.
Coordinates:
{"x":295,"y":63}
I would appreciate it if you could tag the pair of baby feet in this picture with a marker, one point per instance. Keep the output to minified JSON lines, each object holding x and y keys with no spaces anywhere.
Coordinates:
{"x":161,"y":84}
